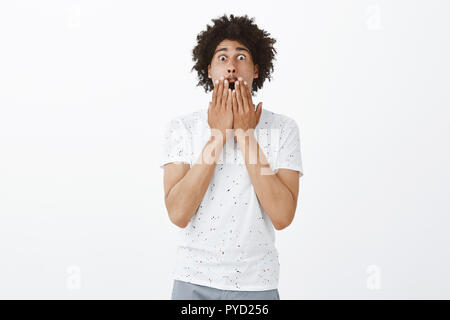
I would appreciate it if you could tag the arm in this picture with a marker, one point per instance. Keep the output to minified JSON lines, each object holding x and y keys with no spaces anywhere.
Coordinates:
{"x":185,"y":187}
{"x":277,"y":192}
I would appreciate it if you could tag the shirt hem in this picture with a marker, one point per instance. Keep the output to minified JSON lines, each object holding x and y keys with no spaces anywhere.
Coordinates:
{"x":207,"y":284}
{"x":290,"y":168}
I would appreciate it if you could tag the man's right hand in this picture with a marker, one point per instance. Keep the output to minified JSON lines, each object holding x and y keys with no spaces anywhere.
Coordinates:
{"x":220,"y":111}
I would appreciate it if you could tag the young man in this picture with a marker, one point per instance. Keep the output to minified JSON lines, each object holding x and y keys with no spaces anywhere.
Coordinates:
{"x":226,"y":186}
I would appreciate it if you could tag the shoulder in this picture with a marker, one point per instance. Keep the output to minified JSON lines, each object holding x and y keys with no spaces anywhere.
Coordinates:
{"x":270,"y":119}
{"x":187,"y":121}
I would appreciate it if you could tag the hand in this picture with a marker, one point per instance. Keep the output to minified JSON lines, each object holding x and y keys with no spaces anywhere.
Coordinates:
{"x":245,"y":116}
{"x":220,"y":111}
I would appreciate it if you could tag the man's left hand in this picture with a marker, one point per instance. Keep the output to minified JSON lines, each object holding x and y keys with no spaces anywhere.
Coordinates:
{"x":245,"y":116}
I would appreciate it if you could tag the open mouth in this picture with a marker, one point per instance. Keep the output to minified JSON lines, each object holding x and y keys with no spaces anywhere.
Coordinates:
{"x":231,"y":85}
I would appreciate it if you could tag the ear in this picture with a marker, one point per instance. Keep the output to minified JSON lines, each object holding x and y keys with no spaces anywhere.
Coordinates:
{"x":209,"y":71}
{"x":255,"y":74}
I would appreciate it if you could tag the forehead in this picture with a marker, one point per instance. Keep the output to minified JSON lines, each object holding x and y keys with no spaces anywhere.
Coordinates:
{"x":230,"y":45}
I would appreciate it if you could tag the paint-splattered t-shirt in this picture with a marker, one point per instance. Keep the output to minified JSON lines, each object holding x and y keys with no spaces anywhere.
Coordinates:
{"x":229,"y":243}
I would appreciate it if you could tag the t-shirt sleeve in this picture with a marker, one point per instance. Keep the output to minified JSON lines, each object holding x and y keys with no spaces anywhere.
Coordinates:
{"x":289,"y":153}
{"x":175,"y":147}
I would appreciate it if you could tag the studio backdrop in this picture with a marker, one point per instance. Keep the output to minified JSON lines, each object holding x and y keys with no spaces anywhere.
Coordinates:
{"x":86,"y":88}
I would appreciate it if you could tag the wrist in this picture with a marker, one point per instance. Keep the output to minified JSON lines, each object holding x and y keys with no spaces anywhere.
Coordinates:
{"x":220,"y":135}
{"x":212,"y":150}
{"x":240,"y":134}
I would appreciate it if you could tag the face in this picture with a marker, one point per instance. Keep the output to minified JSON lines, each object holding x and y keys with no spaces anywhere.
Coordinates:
{"x":232,"y":60}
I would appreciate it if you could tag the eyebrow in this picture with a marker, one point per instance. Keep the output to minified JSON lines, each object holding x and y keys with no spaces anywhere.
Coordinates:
{"x":237,"y":49}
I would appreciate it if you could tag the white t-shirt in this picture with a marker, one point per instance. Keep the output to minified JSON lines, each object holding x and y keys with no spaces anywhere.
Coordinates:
{"x":229,"y":243}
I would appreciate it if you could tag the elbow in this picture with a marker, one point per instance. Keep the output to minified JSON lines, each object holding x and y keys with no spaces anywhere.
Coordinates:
{"x":280,"y":225}
{"x":177,"y":220}
{"x":175,"y":214}
{"x":285,"y":217}
{"x":283,"y":224}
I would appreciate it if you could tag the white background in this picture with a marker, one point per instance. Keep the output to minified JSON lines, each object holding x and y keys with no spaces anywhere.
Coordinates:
{"x":86,"y":86}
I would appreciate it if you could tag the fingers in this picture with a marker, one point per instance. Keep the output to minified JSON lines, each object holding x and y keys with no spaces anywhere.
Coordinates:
{"x":240,"y":102}
{"x":243,"y":85}
{"x":214,"y":95}
{"x":224,"y":94}
{"x":219,"y":93}
{"x":251,"y":106}
{"x":234,"y":102}
{"x":258,"y":112}
{"x":229,"y":100}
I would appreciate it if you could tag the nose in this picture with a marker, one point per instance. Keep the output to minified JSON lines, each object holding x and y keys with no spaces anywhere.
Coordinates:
{"x":231,"y":74}
{"x":231,"y":69}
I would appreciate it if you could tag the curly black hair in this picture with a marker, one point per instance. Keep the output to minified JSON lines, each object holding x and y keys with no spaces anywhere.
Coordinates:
{"x":243,"y":30}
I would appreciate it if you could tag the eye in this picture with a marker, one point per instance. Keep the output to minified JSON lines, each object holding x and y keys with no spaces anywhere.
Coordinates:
{"x":241,"y":55}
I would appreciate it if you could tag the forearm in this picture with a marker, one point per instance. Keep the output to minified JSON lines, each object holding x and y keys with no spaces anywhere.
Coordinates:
{"x":185,"y":197}
{"x":272,"y":193}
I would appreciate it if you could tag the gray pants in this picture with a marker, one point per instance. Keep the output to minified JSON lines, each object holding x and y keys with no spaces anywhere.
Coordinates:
{"x":189,"y":291}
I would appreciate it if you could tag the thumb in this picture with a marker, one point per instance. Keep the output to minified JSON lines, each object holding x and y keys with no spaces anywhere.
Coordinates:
{"x":258,"y":111}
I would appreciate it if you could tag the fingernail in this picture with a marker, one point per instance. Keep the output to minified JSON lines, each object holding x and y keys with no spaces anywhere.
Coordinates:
{"x":240,"y":78}
{"x":217,"y":81}
{"x":245,"y":82}
{"x":226,"y":81}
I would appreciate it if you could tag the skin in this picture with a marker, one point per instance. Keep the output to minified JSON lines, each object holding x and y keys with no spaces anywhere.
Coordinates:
{"x":185,"y":187}
{"x":232,"y":62}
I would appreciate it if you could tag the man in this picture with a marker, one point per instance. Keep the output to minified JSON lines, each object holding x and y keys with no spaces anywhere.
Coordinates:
{"x":227,"y":209}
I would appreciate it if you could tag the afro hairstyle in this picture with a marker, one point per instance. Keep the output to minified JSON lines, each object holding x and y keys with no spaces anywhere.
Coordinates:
{"x":243,"y":30}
